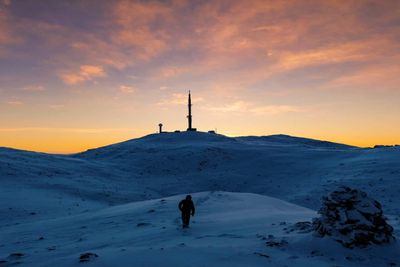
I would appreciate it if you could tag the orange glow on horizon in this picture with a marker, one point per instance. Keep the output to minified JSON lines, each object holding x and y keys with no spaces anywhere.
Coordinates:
{"x":74,"y":77}
{"x":59,"y":142}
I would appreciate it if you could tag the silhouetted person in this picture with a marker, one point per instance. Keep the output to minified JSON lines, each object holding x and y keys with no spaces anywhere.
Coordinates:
{"x":186,"y":206}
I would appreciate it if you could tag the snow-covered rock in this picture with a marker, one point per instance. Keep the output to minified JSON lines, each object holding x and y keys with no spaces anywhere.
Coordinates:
{"x":353,"y":219}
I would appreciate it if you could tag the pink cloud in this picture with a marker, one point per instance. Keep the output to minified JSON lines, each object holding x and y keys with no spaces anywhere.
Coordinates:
{"x":243,"y":41}
{"x":135,"y":33}
{"x":258,"y":38}
{"x":85,"y":73}
{"x":382,"y":78}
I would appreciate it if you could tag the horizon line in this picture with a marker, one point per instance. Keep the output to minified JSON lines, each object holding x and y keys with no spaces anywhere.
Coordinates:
{"x":55,"y":152}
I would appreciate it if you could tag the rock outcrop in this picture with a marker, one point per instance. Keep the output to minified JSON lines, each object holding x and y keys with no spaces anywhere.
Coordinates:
{"x":353,"y":219}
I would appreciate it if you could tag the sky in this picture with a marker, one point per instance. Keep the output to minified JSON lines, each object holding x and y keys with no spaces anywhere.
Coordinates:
{"x":82,"y":74}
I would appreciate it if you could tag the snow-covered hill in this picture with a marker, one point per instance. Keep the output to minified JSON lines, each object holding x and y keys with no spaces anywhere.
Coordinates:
{"x":229,"y":229}
{"x":38,"y":188}
{"x":294,"y":169}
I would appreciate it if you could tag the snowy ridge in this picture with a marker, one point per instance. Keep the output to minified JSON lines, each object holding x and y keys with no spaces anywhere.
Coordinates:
{"x":281,"y":139}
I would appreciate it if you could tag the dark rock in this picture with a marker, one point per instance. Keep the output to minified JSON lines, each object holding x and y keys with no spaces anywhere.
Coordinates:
{"x":272,"y":242}
{"x":353,"y":219}
{"x":300,"y":227}
{"x":87,"y":257}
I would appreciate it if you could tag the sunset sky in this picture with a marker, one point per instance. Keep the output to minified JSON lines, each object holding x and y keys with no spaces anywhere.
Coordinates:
{"x":81,"y":74}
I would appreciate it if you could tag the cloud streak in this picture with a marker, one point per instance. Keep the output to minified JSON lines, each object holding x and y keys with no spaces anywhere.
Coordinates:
{"x":34,"y":88}
{"x":178,"y":99}
{"x":85,"y":73}
{"x":15,"y":103}
{"x":72,"y":130}
{"x":253,"y":109}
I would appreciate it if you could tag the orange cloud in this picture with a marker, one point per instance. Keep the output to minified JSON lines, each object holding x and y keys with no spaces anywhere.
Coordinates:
{"x":381,"y":78}
{"x":131,"y":38}
{"x":354,"y":51}
{"x":135,"y":32}
{"x":254,"y":40}
{"x":285,"y":36}
{"x":92,"y":71}
{"x":85,"y":73}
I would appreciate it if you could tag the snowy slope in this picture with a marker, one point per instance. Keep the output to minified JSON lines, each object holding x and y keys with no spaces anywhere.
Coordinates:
{"x":53,"y":195}
{"x":288,"y":140}
{"x":229,"y":229}
{"x":37,"y":185}
{"x":290,"y":168}
{"x":293,"y":169}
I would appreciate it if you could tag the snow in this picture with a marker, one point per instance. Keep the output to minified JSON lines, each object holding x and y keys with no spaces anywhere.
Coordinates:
{"x":229,"y":229}
{"x":101,"y":201}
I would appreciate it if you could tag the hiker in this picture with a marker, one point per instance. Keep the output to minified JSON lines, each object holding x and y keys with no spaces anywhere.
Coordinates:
{"x":186,"y":206}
